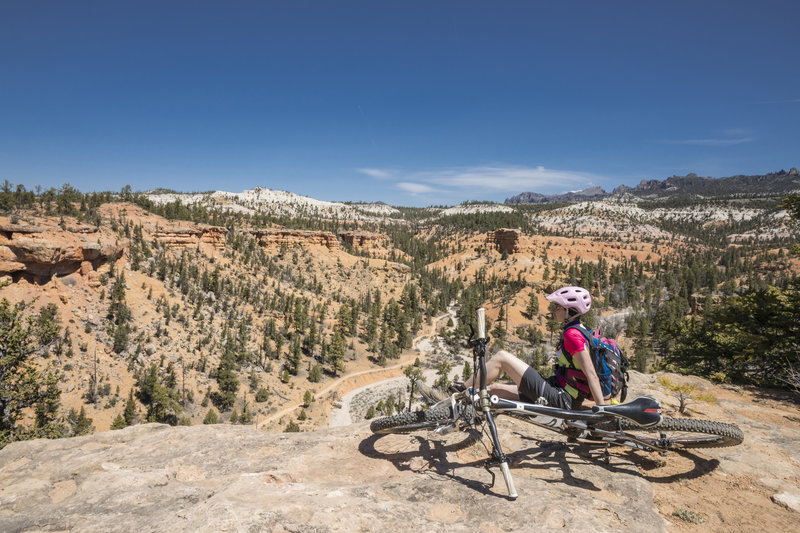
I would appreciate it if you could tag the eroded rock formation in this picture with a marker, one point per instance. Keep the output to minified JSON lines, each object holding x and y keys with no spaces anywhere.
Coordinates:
{"x":505,"y":240}
{"x":189,"y":236}
{"x":41,"y":252}
{"x":363,"y":239}
{"x":276,"y":237}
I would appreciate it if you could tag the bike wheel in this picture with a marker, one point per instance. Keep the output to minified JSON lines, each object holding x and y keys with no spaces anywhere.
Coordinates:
{"x":429,"y":420}
{"x":681,"y":433}
{"x":420,"y":420}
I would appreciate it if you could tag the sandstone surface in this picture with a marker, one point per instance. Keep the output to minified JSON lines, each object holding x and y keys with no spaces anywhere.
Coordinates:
{"x":234,"y":478}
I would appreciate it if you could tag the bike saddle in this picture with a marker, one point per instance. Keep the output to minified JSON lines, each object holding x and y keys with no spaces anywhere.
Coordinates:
{"x":644,"y":410}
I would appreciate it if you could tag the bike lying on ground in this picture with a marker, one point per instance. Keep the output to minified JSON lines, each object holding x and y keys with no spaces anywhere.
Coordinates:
{"x":637,"y":424}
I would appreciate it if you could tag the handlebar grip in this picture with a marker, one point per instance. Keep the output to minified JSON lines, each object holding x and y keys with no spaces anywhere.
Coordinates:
{"x":481,"y":323}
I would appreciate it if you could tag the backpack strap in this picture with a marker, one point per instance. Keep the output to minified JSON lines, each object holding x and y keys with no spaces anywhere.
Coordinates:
{"x":587,"y":334}
{"x":569,"y":376}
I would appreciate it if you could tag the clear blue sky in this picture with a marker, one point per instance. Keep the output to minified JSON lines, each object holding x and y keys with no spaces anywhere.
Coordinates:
{"x":410,"y":103}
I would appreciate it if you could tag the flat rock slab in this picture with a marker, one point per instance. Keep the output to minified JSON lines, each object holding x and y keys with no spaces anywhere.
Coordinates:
{"x":788,"y":500}
{"x":234,"y":478}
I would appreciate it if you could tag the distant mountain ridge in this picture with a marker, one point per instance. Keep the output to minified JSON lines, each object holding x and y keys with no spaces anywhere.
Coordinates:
{"x":593,"y":193}
{"x":781,"y":182}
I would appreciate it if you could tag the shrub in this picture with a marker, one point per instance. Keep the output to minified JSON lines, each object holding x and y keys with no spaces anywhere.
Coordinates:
{"x":119,"y":422}
{"x":689,"y":516}
{"x":262,"y":395}
{"x":211,"y":417}
{"x":315,"y":375}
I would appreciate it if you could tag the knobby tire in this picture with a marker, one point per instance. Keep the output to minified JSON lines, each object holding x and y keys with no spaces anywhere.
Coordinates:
{"x":682,"y":432}
{"x":427,"y":420}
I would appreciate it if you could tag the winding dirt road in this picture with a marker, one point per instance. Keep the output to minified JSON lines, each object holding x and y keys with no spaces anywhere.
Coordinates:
{"x":368,"y":377}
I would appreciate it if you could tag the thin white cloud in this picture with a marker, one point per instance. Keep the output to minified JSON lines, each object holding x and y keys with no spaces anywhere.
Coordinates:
{"x":714,"y":142}
{"x":482,"y":181}
{"x":505,"y":178}
{"x":376,"y":173}
{"x":416,"y":188}
{"x":727,"y":137}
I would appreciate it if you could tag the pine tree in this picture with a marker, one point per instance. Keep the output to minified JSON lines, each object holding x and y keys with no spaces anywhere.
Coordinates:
{"x":161,"y":401}
{"x":23,"y":384}
{"x":211,"y":417}
{"x":336,"y":353}
{"x":227,"y":381}
{"x":403,"y":334}
{"x":119,"y":422}
{"x":533,"y":305}
{"x":315,"y":374}
{"x":295,"y":355}
{"x":79,"y":422}
{"x":130,"y":410}
{"x":466,"y":372}
{"x":414,"y":375}
{"x":442,"y":371}
{"x":119,"y":314}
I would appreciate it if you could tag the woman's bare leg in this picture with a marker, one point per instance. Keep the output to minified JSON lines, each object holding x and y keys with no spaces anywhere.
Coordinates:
{"x":500,"y":362}
{"x":507,"y":391}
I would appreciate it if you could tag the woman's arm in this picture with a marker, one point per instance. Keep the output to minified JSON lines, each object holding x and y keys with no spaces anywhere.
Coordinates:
{"x":586,"y":365}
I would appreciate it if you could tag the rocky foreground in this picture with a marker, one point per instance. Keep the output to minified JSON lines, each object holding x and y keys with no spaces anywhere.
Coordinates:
{"x":235,"y":478}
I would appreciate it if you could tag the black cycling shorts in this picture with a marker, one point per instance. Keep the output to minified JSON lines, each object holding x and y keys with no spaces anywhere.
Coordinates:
{"x":533,"y":386}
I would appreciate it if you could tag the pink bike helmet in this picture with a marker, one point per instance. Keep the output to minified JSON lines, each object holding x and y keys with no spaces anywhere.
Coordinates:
{"x":576,"y":298}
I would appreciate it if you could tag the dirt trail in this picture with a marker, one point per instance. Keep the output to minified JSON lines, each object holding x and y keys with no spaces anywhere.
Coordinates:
{"x":364,"y":378}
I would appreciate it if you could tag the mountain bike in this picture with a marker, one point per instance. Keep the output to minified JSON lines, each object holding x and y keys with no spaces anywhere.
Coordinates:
{"x":636,"y":424}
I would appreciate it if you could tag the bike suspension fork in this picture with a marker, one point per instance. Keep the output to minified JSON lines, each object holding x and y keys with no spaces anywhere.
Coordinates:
{"x":498,"y":457}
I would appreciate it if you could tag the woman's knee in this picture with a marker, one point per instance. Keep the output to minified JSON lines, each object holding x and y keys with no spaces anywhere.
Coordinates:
{"x":504,"y":357}
{"x":511,"y":364}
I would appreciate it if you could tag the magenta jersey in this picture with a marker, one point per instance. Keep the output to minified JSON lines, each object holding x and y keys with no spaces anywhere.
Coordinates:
{"x":574,"y":342}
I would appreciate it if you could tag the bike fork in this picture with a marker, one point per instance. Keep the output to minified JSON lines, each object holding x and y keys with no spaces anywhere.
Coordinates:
{"x":499,"y":458}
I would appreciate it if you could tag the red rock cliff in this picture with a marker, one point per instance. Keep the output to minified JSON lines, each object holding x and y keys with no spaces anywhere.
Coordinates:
{"x":269,"y":238}
{"x":40,"y":253}
{"x":189,"y":236}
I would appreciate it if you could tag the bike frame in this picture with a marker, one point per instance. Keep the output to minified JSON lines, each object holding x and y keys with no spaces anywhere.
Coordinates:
{"x":558,"y":420}
{"x":544,"y":416}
